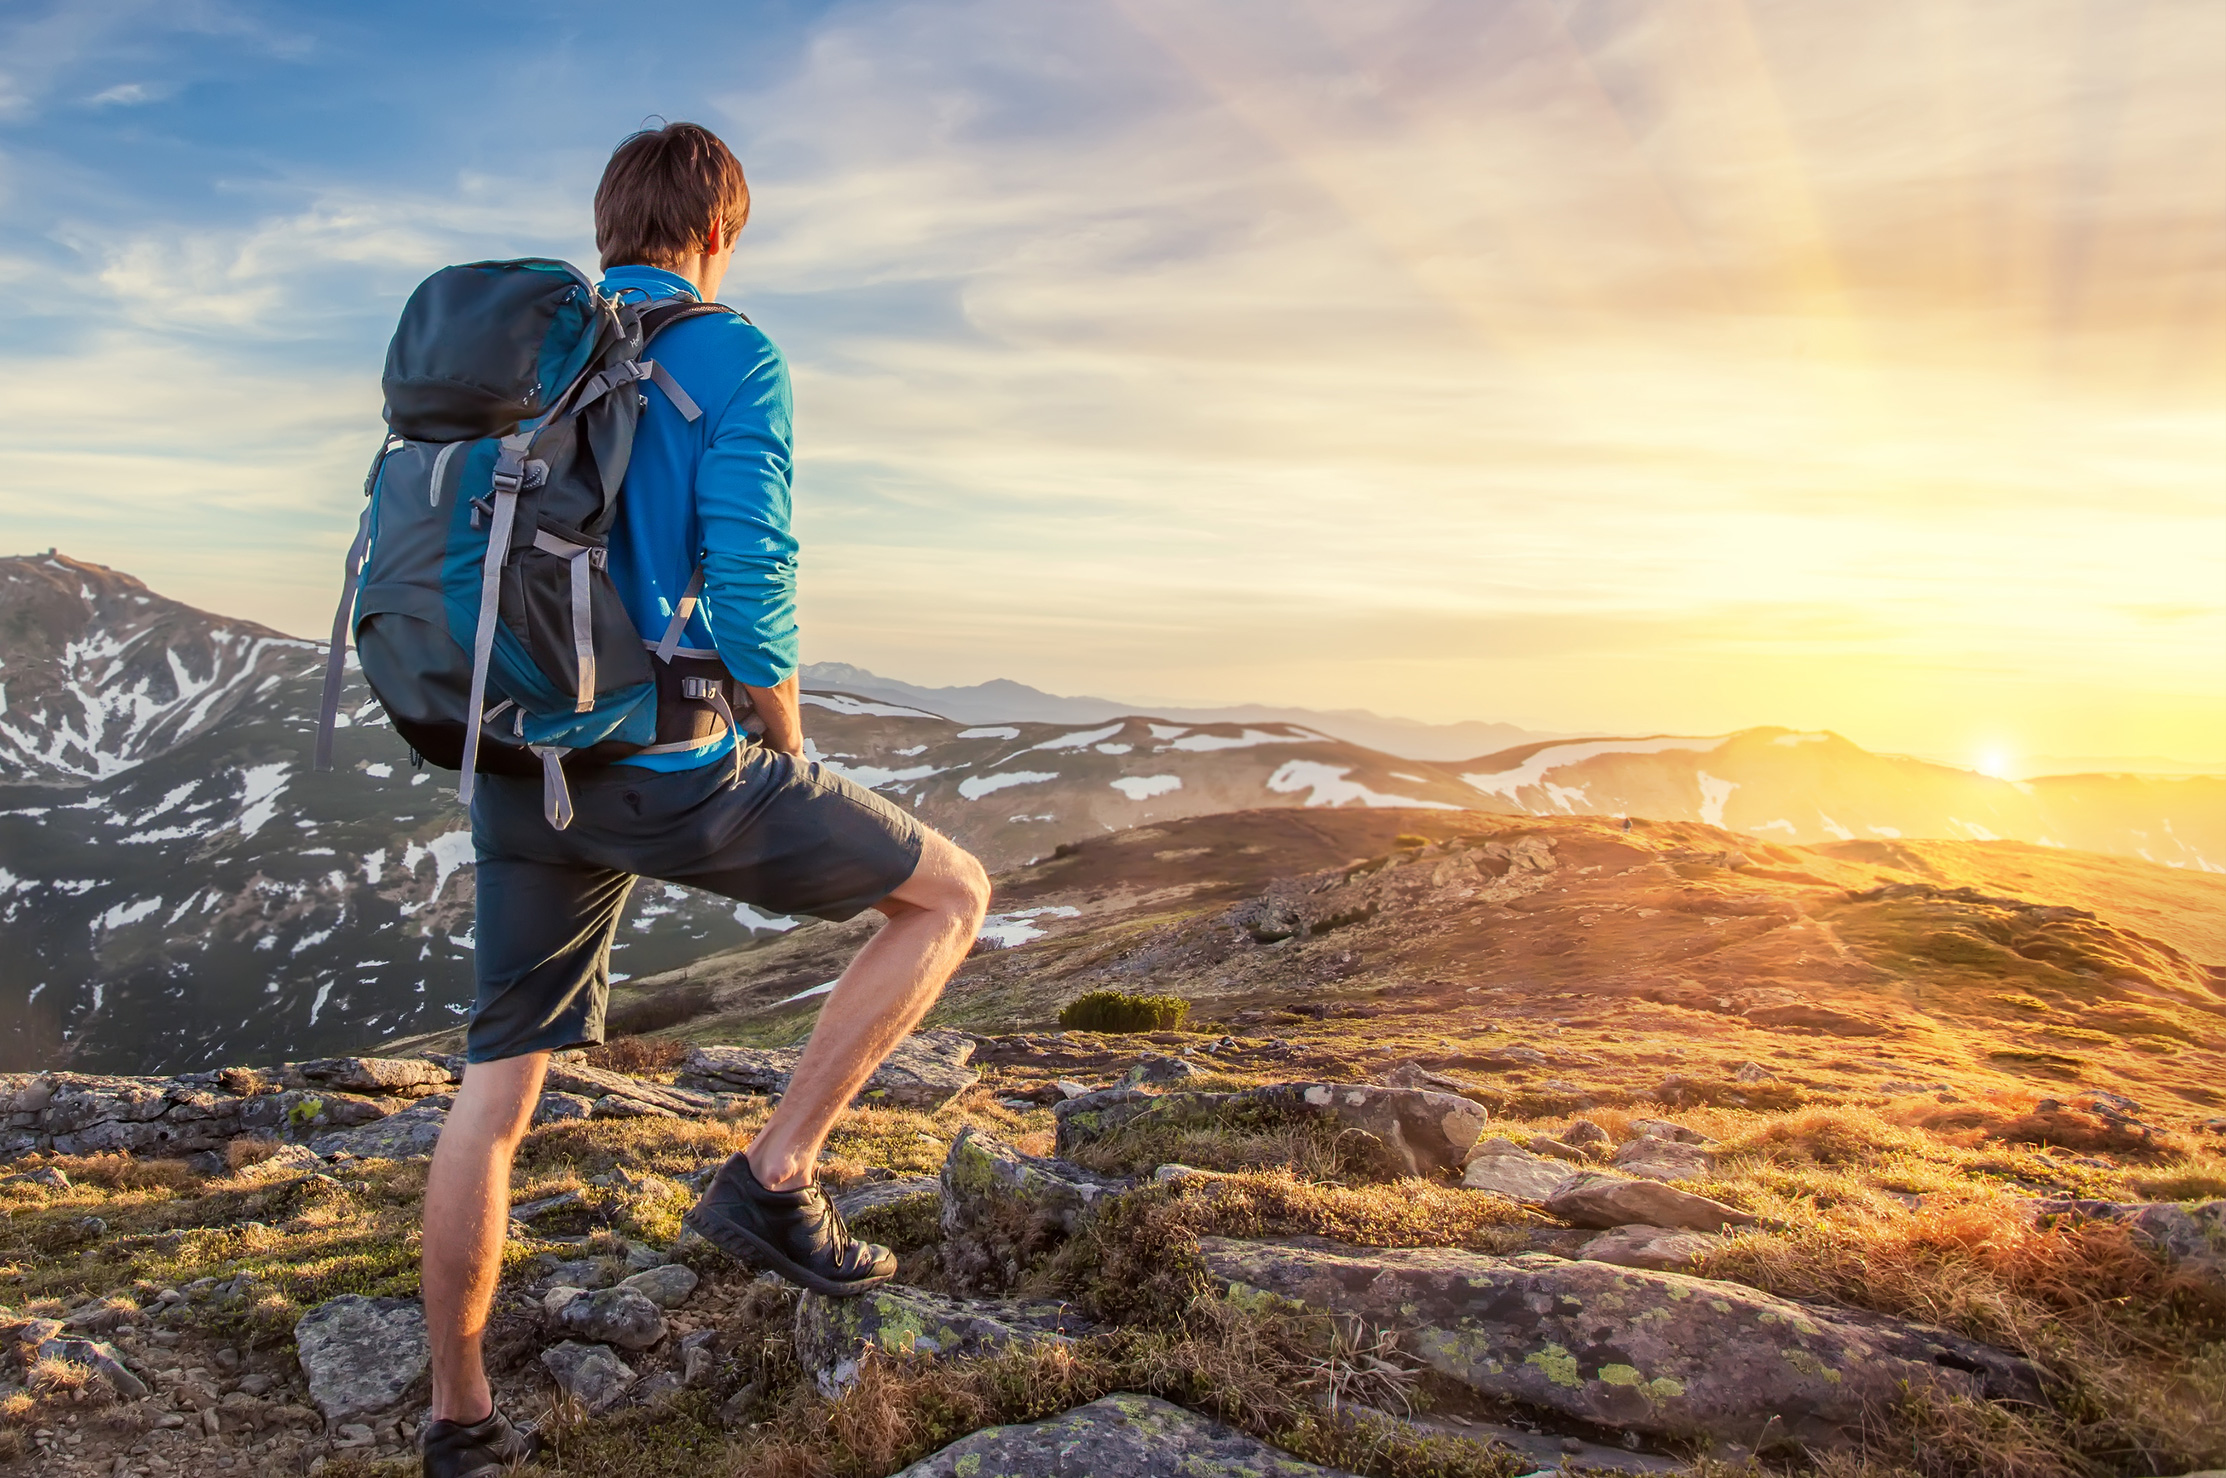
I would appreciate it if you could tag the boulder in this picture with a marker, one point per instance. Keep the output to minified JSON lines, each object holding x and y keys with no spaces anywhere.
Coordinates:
{"x":361,"y":1355}
{"x":833,"y":1334}
{"x":1664,"y":1159}
{"x":1541,"y":1144}
{"x":1661,"y":1354}
{"x":101,"y":1358}
{"x":2191,"y":1238}
{"x":408,"y":1135}
{"x":667,"y":1286}
{"x":926,"y":1071}
{"x":1597,"y":1200}
{"x":1504,"y":1168}
{"x":590,"y":1374}
{"x":624,"y":1315}
{"x":1002,"y":1209}
{"x":556,"y":1108}
{"x":194,"y":1113}
{"x":400,"y":1075}
{"x":1664,"y":1249}
{"x":1123,"y":1435}
{"x":1423,"y":1132}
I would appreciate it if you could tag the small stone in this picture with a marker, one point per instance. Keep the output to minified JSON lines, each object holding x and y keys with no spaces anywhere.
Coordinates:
{"x":667,"y":1287}
{"x":1751,"y":1072}
{"x":553,"y":1302}
{"x":1664,"y":1129}
{"x":361,"y":1355}
{"x":833,"y":1334}
{"x":256,"y":1382}
{"x":1503,"y":1168}
{"x":1069,"y":1089}
{"x":621,"y":1316}
{"x":558,"y":1108}
{"x":1664,"y":1159}
{"x":354,"y":1434}
{"x":100,"y":1357}
{"x":1596,"y":1200}
{"x":1663,"y":1249}
{"x":590,"y":1374}
{"x":46,"y":1177}
{"x":1583,"y":1132}
{"x":1123,"y":1435}
{"x":735,"y":1410}
{"x":1541,"y":1145}
{"x":1159,"y":1070}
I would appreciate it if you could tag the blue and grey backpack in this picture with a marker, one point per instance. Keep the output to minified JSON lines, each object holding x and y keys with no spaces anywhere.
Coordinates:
{"x":484,"y":617}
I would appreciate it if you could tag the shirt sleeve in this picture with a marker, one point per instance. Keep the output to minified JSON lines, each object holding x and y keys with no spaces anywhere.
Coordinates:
{"x":745,"y":546}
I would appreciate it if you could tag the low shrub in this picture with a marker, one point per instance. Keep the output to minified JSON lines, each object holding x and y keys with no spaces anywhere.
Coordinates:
{"x":1119,"y":1011}
{"x":638,"y":1055}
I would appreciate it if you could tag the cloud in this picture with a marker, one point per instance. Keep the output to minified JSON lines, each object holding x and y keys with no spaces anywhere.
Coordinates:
{"x":1450,"y":358}
{"x":129,"y":95}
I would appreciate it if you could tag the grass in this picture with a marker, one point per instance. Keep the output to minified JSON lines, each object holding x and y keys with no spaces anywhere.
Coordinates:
{"x":2136,"y":1358}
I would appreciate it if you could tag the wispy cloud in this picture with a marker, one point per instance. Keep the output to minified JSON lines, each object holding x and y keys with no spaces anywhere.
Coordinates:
{"x":1621,"y":365}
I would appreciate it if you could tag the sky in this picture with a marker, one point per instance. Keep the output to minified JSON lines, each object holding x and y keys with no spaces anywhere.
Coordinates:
{"x":1595,"y":365}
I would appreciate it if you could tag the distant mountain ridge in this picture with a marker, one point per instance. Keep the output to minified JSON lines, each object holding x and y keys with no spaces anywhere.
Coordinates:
{"x":1002,"y":700}
{"x":177,"y":886}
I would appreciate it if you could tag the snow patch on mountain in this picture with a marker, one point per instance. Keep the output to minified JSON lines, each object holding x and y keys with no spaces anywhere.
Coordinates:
{"x":975,"y":787}
{"x":1144,"y":787}
{"x":1250,"y":738}
{"x":1532,"y":772}
{"x":1713,"y":794}
{"x":1082,"y":740}
{"x":1329,"y":787}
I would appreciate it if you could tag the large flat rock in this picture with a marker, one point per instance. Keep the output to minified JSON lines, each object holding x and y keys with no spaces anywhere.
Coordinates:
{"x":1662,"y":1354}
{"x":1118,"y":1436}
{"x":926,"y":1071}
{"x":1424,"y":1132}
{"x":408,"y":1135}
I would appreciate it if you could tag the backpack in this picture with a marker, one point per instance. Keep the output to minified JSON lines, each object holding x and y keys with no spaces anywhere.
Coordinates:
{"x":484,"y":618}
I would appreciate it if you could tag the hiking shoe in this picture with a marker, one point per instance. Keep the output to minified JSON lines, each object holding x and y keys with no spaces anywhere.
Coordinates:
{"x":478,"y":1449}
{"x":797,"y":1234}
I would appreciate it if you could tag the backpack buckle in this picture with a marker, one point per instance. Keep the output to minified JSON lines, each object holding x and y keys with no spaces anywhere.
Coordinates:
{"x":698,"y":688}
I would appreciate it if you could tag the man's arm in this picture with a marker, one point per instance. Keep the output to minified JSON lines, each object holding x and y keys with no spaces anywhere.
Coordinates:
{"x":748,"y":551}
{"x":782,"y":716}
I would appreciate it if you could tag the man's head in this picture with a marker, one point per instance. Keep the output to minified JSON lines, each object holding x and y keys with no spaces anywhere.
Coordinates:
{"x":671,"y":197}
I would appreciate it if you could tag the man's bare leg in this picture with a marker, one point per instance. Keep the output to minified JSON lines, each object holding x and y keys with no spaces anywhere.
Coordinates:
{"x":467,"y":1215}
{"x":933,"y":919}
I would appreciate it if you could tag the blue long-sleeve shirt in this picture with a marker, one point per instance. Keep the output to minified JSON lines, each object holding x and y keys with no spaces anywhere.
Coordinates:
{"x":714,"y":492}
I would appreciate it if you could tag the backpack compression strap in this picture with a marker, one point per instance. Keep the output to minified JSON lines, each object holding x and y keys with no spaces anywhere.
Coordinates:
{"x":510,"y":476}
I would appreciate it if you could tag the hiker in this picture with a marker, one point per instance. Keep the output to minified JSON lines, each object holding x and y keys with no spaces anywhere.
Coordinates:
{"x":741,"y":814}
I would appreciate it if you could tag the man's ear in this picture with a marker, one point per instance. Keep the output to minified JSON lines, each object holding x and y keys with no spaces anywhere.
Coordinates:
{"x":714,"y":237}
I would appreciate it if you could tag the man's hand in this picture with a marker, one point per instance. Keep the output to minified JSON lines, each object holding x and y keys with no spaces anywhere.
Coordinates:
{"x":777,"y":709}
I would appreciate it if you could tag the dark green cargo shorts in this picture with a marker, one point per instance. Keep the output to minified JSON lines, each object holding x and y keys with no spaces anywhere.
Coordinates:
{"x":790,"y":837}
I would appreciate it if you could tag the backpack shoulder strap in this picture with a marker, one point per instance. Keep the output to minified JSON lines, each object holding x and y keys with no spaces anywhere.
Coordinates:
{"x":669,"y":311}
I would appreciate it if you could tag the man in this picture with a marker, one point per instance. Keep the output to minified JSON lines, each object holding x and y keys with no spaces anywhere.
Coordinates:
{"x":766,"y":826}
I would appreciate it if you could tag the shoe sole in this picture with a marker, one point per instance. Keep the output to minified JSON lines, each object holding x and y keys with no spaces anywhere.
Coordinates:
{"x":744,"y":1245}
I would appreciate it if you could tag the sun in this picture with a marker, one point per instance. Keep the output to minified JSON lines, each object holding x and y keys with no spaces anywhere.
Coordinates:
{"x":1995,"y":762}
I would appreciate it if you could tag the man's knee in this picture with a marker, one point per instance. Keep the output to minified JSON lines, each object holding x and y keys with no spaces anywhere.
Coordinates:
{"x":951,"y":879}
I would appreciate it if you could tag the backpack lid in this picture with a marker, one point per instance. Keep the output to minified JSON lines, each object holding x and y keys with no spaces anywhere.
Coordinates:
{"x":486,"y":346}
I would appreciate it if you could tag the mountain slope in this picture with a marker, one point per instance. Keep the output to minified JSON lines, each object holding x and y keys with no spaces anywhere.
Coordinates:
{"x":176,"y":885}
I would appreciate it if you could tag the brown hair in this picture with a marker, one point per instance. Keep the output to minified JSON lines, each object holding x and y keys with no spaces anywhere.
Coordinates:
{"x":661,"y":189}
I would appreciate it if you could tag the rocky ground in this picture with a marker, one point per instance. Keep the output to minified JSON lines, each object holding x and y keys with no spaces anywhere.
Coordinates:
{"x":1434,"y":1207}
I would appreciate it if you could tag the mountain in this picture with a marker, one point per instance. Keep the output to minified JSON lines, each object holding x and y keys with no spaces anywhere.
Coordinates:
{"x":177,"y":886}
{"x":1004,"y":701}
